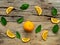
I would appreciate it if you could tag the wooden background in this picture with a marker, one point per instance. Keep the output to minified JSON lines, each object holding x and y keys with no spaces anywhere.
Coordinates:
{"x":29,"y":14}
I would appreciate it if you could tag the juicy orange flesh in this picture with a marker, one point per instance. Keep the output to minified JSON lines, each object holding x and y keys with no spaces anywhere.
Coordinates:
{"x":44,"y":35}
{"x":10,"y":34}
{"x":38,"y":9}
{"x":25,"y":39}
{"x":55,"y":20}
{"x":9,"y":9}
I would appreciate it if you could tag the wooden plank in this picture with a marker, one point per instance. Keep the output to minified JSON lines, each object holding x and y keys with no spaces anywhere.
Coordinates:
{"x":29,"y":14}
{"x":30,"y":11}
{"x":35,"y":38}
{"x":28,"y":17}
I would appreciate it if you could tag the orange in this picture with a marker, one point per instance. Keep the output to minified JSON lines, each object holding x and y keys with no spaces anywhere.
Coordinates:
{"x":28,"y":26}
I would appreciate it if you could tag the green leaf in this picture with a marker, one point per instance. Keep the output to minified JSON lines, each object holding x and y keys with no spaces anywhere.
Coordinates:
{"x":38,"y":29}
{"x":18,"y":35}
{"x":20,"y":20}
{"x":24,"y":6}
{"x":55,"y":28}
{"x":3,"y":21}
{"x":54,"y":11}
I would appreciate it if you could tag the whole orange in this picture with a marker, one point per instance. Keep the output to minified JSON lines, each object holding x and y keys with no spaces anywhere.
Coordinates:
{"x":28,"y":26}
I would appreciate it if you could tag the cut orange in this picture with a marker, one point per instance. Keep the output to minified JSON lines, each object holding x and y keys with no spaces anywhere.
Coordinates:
{"x":38,"y":10}
{"x":10,"y":34}
{"x":25,"y":40}
{"x":55,"y":20}
{"x":9,"y":9}
{"x":44,"y":34}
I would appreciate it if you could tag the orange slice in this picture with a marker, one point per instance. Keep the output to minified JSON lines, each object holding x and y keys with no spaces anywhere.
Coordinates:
{"x":44,"y":34}
{"x":10,"y":34}
{"x":9,"y":9}
{"x":25,"y":40}
{"x":38,"y":10}
{"x":55,"y":20}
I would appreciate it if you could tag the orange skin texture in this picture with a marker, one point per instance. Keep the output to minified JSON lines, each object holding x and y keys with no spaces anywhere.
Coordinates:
{"x":28,"y":26}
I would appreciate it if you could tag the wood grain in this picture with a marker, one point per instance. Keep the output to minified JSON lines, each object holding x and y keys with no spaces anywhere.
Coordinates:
{"x":35,"y":38}
{"x":29,"y":14}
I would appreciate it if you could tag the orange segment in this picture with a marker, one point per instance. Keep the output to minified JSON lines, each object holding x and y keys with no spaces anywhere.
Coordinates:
{"x":25,"y":40}
{"x":44,"y":34}
{"x":55,"y":20}
{"x":9,"y":9}
{"x":10,"y":34}
{"x":38,"y":10}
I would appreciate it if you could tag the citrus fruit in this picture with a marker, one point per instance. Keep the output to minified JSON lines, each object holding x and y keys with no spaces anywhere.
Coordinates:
{"x":38,"y":10}
{"x":10,"y":34}
{"x":28,"y":26}
{"x":9,"y":9}
{"x":25,"y":40}
{"x":44,"y":34}
{"x":55,"y":20}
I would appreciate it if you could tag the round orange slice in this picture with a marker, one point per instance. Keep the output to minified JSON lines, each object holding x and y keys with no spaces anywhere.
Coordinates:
{"x":25,"y":40}
{"x":55,"y":20}
{"x":10,"y":34}
{"x":44,"y":34}
{"x":38,"y":10}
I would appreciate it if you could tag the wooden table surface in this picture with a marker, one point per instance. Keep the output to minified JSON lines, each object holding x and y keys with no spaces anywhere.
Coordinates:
{"x":29,"y":14}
